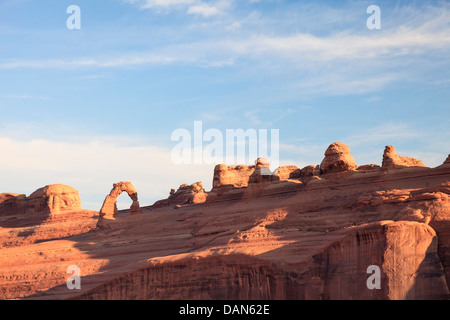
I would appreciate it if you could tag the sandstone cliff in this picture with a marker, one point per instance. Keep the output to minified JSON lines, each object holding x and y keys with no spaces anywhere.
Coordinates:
{"x":308,"y":234}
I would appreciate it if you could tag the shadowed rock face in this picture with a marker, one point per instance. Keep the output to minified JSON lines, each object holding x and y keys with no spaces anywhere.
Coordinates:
{"x":391,"y":160}
{"x":338,"y":159}
{"x":308,"y":172}
{"x":12,"y":203}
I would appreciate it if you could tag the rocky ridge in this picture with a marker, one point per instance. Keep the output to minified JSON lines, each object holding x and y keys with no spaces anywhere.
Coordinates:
{"x":295,"y":233}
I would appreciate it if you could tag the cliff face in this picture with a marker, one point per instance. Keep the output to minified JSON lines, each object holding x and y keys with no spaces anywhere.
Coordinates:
{"x":405,"y":251}
{"x":354,"y":233}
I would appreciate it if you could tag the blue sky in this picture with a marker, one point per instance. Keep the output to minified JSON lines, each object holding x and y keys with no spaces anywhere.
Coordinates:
{"x":98,"y":105}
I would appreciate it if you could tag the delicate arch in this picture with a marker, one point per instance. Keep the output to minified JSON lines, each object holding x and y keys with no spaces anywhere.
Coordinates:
{"x":109,"y":208}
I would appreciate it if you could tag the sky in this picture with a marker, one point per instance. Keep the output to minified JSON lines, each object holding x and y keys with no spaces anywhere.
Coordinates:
{"x":96,"y":105}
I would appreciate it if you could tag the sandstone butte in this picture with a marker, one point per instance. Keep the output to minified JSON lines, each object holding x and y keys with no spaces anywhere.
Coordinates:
{"x":296,"y":233}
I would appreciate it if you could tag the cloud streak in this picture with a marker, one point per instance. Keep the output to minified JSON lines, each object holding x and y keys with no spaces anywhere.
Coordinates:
{"x":193,"y":7}
{"x":296,"y":48}
{"x":342,"y":62}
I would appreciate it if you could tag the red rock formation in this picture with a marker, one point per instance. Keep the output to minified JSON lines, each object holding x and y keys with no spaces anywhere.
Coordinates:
{"x":447,"y":161}
{"x":262,"y":172}
{"x":12,"y":203}
{"x":309,"y":172}
{"x":109,"y":207}
{"x":288,"y":172}
{"x":51,"y":199}
{"x":391,"y":160}
{"x":282,"y":239}
{"x":186,"y":194}
{"x":236,"y":176}
{"x":54,"y":199}
{"x":337,"y":159}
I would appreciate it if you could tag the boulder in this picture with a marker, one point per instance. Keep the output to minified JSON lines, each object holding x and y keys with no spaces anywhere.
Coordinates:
{"x":391,"y":160}
{"x":53,"y":199}
{"x":186,"y":194}
{"x":288,"y":172}
{"x":236,"y":176}
{"x":308,"y":172}
{"x":338,"y":159}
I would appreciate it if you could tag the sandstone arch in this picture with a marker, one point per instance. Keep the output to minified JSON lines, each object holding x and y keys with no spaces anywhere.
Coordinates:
{"x":109,"y":207}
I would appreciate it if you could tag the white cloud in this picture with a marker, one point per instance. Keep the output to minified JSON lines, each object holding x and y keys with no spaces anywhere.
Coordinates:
{"x":300,"y":48}
{"x":126,"y":60}
{"x":345,"y":62}
{"x":195,"y":7}
{"x":204,"y":10}
{"x":93,"y":167}
{"x":148,"y":4}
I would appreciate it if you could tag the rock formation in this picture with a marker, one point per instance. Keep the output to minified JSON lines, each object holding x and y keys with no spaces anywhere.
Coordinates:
{"x":369,"y":167}
{"x":186,"y":194}
{"x":262,"y":172}
{"x":236,"y":176}
{"x":337,"y":159}
{"x":447,"y":161}
{"x":309,"y":172}
{"x":288,"y":172}
{"x":391,"y":160}
{"x":109,"y":207}
{"x":12,"y":203}
{"x":51,"y":199}
{"x":313,"y":236}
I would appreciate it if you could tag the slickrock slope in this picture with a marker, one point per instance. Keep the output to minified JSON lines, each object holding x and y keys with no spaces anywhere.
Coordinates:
{"x":308,"y":236}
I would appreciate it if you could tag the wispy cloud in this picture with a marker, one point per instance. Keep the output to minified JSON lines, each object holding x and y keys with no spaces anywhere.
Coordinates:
{"x":126,"y":60}
{"x":338,"y":63}
{"x":203,"y":10}
{"x":24,"y":97}
{"x":195,"y":7}
{"x":297,"y":48}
